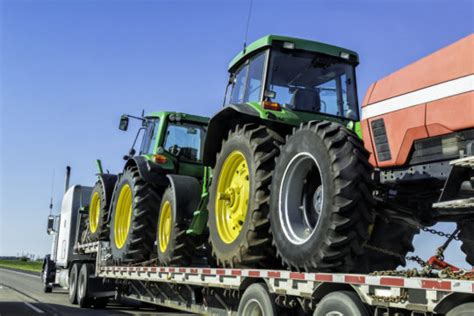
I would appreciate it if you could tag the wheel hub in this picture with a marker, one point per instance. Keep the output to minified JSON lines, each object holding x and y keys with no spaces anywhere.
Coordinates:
{"x":123,"y":215}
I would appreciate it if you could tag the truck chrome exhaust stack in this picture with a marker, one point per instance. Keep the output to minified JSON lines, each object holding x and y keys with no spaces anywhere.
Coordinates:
{"x":68,"y":176}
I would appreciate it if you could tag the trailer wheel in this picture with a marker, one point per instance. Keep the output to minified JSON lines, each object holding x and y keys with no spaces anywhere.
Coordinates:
{"x":73,"y":276}
{"x":84,"y":298}
{"x":462,"y":310}
{"x":321,"y":209}
{"x":134,"y":217}
{"x":98,"y":213}
{"x":257,"y":301}
{"x":238,"y":197}
{"x":341,"y":303}
{"x":173,"y":245}
{"x":466,"y":235}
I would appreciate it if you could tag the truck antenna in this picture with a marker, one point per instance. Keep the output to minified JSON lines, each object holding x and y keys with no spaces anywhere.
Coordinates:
{"x":248,"y":24}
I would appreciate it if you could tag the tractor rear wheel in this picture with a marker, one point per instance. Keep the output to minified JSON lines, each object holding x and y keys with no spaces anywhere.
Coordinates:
{"x":133,"y":220}
{"x":466,"y":235}
{"x":173,"y":245}
{"x":238,"y":197}
{"x":321,"y":209}
{"x":98,"y":213}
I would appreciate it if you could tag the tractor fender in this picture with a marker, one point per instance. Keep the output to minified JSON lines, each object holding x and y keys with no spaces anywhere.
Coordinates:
{"x":219,"y":125}
{"x":108,"y":183}
{"x":149,"y":172}
{"x":187,"y":193}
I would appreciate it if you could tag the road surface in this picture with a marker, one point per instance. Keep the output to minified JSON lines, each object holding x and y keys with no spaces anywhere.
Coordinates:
{"x":21,"y":294}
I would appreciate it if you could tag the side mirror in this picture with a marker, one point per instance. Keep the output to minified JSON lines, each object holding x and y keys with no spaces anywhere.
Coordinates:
{"x":123,"y":126}
{"x":269,"y":94}
{"x":50,"y":228}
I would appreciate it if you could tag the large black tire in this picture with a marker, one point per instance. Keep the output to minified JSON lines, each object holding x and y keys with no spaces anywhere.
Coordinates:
{"x":84,"y":298}
{"x":73,"y":275}
{"x":465,"y":309}
{"x":139,"y":242}
{"x":252,"y":246}
{"x":178,"y":250}
{"x":341,"y":303}
{"x":47,"y":274}
{"x":395,"y":237}
{"x":102,"y":208}
{"x":257,"y":301}
{"x":321,"y":206}
{"x":466,"y":235}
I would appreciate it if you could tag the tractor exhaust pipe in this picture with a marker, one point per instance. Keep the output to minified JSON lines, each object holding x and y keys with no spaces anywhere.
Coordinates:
{"x":68,"y":176}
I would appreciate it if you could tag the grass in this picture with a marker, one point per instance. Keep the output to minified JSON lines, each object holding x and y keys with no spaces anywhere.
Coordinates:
{"x":33,"y":266}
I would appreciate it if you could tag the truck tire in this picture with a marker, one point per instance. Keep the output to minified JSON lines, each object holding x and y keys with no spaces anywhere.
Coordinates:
{"x":72,"y":290}
{"x":47,"y":274}
{"x":393,"y":236}
{"x":321,"y":209}
{"x":174,"y":247}
{"x":465,"y":309}
{"x":134,"y":217}
{"x":257,"y":301}
{"x":238,"y":197}
{"x":341,"y":303}
{"x":466,"y":235}
{"x":98,"y":213}
{"x":84,"y":299}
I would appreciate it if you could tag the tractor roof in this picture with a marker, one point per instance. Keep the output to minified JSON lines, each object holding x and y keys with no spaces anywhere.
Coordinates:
{"x":184,"y":116}
{"x":301,"y":44}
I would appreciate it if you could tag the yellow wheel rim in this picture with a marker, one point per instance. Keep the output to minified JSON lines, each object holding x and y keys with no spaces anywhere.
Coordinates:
{"x":165,"y":226}
{"x":94,"y":212}
{"x":233,"y":189}
{"x":123,"y":216}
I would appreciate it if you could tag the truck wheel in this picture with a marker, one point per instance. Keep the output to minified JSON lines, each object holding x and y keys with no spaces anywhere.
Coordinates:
{"x":173,"y":245}
{"x":341,"y":303}
{"x":257,"y":301}
{"x":133,"y":221}
{"x":396,"y":237}
{"x":98,"y":213}
{"x":48,"y":268}
{"x":238,"y":197}
{"x":466,"y":235}
{"x":321,"y":209}
{"x":73,"y":283}
{"x":84,"y":298}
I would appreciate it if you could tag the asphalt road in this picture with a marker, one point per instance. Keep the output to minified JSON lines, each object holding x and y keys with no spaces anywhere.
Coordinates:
{"x":21,"y":294}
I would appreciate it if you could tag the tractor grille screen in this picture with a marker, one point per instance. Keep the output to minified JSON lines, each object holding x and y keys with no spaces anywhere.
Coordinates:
{"x":381,"y":141}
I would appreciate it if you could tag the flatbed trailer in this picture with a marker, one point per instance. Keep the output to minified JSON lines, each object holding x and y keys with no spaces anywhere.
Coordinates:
{"x":218,"y":291}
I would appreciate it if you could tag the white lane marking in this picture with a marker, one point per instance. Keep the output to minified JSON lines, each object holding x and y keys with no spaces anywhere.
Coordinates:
{"x":36,"y":309}
{"x":425,"y":95}
{"x":27,"y":274}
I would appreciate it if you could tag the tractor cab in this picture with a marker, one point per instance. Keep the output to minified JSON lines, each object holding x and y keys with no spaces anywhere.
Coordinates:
{"x":283,"y":73}
{"x":170,"y":137}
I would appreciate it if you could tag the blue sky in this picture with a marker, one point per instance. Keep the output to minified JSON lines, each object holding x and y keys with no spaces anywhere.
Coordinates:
{"x":69,"y":69}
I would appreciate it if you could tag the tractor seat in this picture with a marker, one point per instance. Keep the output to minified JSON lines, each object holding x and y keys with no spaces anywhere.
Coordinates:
{"x":306,"y":100}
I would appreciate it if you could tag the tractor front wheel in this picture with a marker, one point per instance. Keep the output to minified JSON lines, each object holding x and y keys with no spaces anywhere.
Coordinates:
{"x":98,"y":213}
{"x":239,"y":194}
{"x":133,"y":220}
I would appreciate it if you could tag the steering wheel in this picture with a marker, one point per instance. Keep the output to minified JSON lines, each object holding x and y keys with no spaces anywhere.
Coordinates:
{"x":175,"y":150}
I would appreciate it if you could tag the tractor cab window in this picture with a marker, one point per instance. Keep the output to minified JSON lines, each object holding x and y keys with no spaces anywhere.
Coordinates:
{"x":313,"y":83}
{"x":247,"y":86}
{"x":149,"y":137}
{"x":185,"y":140}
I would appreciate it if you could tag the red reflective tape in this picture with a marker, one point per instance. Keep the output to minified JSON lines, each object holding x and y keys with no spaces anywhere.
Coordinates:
{"x":153,"y":269}
{"x":193,"y":270}
{"x":236,"y":272}
{"x":162,"y":269}
{"x":392,"y":281}
{"x":273,"y":274}
{"x":145,"y":269}
{"x":171,"y":269}
{"x":182,"y":270}
{"x":323,"y":277}
{"x":354,"y":279}
{"x":206,"y":271}
{"x":433,"y":284}
{"x":220,"y":271}
{"x":253,"y":273}
{"x":297,"y":275}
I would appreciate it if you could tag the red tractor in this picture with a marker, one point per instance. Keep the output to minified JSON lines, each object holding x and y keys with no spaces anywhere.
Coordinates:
{"x":418,"y":125}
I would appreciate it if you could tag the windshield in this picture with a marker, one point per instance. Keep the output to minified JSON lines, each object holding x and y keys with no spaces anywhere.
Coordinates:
{"x":185,"y":140}
{"x":313,"y":83}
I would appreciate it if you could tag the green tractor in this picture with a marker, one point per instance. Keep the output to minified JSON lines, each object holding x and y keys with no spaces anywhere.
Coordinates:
{"x":138,"y":208}
{"x":273,"y":192}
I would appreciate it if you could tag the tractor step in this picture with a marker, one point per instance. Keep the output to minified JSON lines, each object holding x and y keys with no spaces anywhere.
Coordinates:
{"x":461,"y":203}
{"x":466,"y":162}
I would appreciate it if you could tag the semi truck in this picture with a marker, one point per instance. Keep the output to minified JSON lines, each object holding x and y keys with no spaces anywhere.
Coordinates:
{"x":286,"y":201}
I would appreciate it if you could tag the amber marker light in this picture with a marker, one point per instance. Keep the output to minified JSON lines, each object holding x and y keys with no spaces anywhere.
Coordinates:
{"x":274,"y":106}
{"x":159,"y":159}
